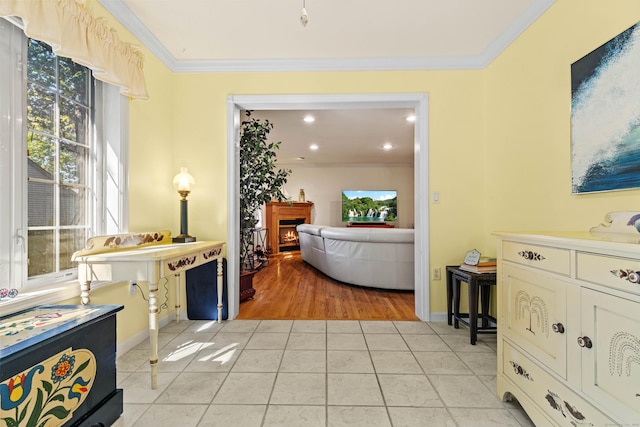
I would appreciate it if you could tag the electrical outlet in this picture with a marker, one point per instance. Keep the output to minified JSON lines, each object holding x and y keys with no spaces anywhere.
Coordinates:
{"x":132,"y":288}
{"x":437,"y":273}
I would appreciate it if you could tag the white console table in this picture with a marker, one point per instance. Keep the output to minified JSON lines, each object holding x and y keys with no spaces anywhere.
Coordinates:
{"x":145,"y":261}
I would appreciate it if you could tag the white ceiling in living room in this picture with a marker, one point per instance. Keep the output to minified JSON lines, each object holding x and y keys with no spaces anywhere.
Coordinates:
{"x":351,"y":136}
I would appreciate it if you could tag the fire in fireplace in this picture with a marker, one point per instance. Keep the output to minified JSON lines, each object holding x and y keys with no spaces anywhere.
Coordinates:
{"x":288,"y":235}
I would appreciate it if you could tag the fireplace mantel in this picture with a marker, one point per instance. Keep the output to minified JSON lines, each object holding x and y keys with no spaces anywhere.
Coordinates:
{"x":287,"y":211}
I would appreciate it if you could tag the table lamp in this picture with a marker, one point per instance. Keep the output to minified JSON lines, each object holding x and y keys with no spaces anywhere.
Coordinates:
{"x":183,"y":182}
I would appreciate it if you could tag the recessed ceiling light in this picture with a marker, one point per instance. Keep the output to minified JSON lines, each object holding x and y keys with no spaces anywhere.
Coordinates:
{"x":387,"y":146}
{"x":313,"y":147}
{"x":411,"y":118}
{"x":299,"y":158}
{"x":309,"y":119}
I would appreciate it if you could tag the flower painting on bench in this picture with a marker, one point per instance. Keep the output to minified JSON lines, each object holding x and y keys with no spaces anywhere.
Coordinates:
{"x":605,"y":116}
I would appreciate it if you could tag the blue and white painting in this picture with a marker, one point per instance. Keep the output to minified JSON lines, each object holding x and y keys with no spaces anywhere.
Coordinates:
{"x":605,"y":116}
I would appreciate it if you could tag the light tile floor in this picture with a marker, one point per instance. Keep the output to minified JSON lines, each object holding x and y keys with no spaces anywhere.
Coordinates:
{"x":252,"y":373}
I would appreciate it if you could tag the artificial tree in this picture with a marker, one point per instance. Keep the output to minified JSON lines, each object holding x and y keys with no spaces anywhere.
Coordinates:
{"x":260,"y":181}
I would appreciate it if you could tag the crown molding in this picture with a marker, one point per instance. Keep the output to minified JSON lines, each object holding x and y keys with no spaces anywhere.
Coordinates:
{"x":126,"y":17}
{"x":130,"y":21}
{"x":513,"y":31}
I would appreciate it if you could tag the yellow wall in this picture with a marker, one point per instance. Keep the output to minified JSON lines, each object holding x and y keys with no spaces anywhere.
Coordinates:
{"x":499,"y":147}
{"x":527,"y":121}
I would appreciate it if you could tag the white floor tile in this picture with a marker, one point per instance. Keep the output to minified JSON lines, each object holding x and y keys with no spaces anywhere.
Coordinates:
{"x":137,"y":386}
{"x":350,"y":361}
{"x":437,"y":362}
{"x":295,"y":416}
{"x":385,"y":342}
{"x":233,"y":415}
{"x":310,"y":326}
{"x":354,"y":390}
{"x":425,"y":343}
{"x":408,"y":390}
{"x":471,"y":417}
{"x":299,"y":389}
{"x":417,"y":328}
{"x":192,"y":387}
{"x":346,"y":342}
{"x":246,"y":388}
{"x":304,"y":361}
{"x":395,"y":362}
{"x":464,"y":391}
{"x":275,"y":326}
{"x":258,"y":361}
{"x":358,"y":416}
{"x":268,"y":340}
{"x":251,"y":373}
{"x":307,"y":341}
{"x":420,"y":417}
{"x":343,"y":327}
{"x":214,"y":360}
{"x":378,"y":327}
{"x":168,"y":415}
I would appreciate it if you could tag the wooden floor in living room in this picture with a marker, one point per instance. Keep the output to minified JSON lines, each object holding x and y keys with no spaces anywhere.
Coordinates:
{"x":289,"y":288}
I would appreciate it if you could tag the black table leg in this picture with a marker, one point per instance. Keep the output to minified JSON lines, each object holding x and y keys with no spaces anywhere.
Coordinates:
{"x":485,"y":294}
{"x":456,"y":302}
{"x":449,"y":296}
{"x":473,"y":310}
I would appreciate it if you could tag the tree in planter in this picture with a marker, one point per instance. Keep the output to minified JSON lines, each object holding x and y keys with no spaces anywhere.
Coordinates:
{"x":260,"y":181}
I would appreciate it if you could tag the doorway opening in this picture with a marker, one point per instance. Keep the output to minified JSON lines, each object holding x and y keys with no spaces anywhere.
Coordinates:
{"x":417,"y":101}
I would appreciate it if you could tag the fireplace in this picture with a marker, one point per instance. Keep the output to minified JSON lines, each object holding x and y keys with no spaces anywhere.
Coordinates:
{"x":288,"y":235}
{"x":282,"y":219}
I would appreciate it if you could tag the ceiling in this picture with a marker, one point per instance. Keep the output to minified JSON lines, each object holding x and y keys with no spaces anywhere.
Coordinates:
{"x":266,"y":35}
{"x":353,"y":136}
{"x":341,"y":35}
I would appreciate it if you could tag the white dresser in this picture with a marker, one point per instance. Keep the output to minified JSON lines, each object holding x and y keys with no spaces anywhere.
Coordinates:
{"x":569,"y":324}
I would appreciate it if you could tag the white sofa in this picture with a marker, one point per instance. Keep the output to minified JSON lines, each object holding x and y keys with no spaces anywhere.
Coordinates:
{"x":372,"y":257}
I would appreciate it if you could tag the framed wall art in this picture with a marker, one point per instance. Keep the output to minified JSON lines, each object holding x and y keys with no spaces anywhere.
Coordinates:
{"x":605,"y":116}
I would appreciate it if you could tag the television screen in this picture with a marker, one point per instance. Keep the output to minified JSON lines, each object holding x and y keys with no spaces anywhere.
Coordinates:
{"x":369,"y":206}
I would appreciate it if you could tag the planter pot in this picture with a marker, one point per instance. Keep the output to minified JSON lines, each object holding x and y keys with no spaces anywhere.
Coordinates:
{"x":246,"y":284}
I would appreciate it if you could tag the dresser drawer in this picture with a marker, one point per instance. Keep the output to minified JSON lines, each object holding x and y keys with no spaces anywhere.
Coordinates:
{"x":543,"y":257}
{"x":557,"y":401}
{"x":615,"y":272}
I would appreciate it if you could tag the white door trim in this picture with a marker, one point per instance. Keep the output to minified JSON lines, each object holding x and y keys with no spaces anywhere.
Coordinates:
{"x":418,"y":101}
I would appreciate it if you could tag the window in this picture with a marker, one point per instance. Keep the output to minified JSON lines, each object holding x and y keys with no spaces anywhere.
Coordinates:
{"x":63,"y":163}
{"x":59,"y":110}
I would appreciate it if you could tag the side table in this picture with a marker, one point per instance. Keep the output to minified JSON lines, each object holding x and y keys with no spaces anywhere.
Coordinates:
{"x":479,"y":284}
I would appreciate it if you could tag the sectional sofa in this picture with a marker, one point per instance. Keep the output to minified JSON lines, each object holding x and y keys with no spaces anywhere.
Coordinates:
{"x":372,"y":257}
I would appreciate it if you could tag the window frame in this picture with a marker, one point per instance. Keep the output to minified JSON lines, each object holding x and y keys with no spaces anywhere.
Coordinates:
{"x":107,"y":174}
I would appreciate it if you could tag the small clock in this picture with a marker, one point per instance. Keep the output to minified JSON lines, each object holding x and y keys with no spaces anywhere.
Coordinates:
{"x":472,"y":257}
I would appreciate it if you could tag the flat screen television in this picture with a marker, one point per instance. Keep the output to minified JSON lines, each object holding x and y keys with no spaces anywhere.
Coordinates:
{"x":369,"y":205}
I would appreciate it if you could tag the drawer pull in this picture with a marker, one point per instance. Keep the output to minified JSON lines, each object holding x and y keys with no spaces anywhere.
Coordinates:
{"x":530,"y":255}
{"x":629,"y":275}
{"x":585,"y":342}
{"x":558,"y":328}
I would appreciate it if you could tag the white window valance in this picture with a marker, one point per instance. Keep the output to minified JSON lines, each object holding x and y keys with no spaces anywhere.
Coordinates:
{"x":73,"y":32}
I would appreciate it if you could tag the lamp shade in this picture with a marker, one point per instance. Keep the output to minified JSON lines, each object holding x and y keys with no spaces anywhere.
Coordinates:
{"x":183,"y":181}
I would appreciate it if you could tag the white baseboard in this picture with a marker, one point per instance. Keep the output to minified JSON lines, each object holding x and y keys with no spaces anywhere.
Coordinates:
{"x":438,"y":317}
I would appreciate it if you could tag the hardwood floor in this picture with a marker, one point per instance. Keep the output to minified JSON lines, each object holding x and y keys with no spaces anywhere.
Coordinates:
{"x":289,"y":288}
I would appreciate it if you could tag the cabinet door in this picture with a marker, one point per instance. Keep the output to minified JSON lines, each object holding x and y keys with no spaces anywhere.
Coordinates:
{"x":611,"y":366}
{"x":535,"y":315}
